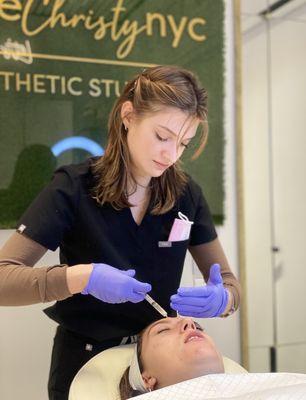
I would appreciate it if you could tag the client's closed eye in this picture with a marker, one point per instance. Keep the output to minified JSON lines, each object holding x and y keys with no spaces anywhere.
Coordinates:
{"x":162,"y":330}
{"x":198,"y":326}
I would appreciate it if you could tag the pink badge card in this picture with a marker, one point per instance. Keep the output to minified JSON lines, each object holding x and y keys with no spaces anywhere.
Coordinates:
{"x":180,"y":229}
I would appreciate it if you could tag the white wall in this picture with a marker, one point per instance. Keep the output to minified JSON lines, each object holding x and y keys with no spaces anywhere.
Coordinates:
{"x":274,"y":120}
{"x":26,"y":333}
{"x":226,"y":332}
{"x":256,"y":195}
{"x":26,"y":337}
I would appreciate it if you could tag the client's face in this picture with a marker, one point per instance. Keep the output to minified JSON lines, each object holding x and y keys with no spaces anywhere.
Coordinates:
{"x":177,"y":349}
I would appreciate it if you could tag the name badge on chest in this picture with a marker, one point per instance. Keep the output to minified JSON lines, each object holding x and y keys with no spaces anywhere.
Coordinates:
{"x":164,"y":244}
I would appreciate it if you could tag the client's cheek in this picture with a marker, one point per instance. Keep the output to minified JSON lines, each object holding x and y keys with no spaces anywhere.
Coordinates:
{"x":163,"y":356}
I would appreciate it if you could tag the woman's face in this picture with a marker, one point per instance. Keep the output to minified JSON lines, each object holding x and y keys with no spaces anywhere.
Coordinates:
{"x":157,"y":141}
{"x":177,"y":349}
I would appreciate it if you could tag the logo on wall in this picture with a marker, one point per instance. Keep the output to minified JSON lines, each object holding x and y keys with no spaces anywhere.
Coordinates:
{"x":64,"y":63}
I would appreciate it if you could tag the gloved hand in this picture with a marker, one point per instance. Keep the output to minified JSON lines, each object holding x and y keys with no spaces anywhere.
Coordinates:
{"x":112,"y":285}
{"x":205,"y":301}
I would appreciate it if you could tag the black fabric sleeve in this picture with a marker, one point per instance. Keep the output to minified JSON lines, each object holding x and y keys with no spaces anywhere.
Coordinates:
{"x":203,"y":229}
{"x":53,"y":212}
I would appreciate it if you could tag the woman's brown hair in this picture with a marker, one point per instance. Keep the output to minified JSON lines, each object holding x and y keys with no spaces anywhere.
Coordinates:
{"x":125,"y":389}
{"x":149,"y":92}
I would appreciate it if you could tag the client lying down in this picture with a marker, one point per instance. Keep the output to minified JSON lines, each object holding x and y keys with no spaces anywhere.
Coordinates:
{"x":169,"y":351}
{"x":176,"y":356}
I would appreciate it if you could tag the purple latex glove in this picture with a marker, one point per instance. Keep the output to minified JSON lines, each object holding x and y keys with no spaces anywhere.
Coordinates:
{"x":205,"y":301}
{"x":113,"y":285}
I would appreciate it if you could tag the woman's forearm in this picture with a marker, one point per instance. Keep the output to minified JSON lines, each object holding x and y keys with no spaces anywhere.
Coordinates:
{"x":20,"y":284}
{"x":77,"y":277}
{"x":208,"y":254}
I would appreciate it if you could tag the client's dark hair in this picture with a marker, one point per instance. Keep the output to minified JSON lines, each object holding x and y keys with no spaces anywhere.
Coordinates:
{"x":125,"y":389}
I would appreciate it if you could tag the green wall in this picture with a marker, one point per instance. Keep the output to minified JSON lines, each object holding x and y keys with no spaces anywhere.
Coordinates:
{"x":37,"y":108}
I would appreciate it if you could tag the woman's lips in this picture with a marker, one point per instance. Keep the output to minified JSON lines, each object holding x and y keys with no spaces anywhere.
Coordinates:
{"x":193,"y":336}
{"x":161,"y":165}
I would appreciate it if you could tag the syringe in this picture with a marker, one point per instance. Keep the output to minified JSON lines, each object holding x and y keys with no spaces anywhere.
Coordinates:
{"x":156,"y":306}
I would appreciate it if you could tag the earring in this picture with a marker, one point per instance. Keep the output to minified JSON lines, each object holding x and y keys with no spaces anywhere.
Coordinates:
{"x":150,"y":390}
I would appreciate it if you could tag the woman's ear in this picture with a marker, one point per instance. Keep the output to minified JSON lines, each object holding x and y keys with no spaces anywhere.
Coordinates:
{"x":149,"y":380}
{"x":126,"y":113}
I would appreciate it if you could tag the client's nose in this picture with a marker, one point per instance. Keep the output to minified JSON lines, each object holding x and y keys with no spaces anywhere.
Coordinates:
{"x":187,"y":323}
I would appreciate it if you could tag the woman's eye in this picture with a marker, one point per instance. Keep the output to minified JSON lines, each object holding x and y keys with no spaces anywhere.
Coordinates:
{"x":160,"y":138}
{"x":162,"y":330}
{"x":198,"y":326}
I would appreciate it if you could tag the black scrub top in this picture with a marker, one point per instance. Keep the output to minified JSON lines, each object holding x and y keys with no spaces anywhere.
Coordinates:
{"x":65,"y":215}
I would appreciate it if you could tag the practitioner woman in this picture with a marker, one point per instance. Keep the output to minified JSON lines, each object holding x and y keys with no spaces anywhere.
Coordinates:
{"x":111,"y":217}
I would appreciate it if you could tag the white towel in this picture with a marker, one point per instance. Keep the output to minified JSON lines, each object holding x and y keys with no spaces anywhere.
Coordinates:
{"x":253,"y":386}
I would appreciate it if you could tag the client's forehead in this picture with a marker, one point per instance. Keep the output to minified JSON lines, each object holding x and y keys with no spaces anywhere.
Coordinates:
{"x":164,"y":320}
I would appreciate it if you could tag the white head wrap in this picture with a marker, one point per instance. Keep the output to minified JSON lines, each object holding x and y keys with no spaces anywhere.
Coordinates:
{"x":135,"y":377}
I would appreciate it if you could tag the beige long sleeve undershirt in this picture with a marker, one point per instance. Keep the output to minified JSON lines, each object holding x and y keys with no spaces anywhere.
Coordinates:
{"x":20,"y":283}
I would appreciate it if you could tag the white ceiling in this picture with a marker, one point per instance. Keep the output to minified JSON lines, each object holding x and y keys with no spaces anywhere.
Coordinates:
{"x":253,"y":7}
{"x":295,"y":11}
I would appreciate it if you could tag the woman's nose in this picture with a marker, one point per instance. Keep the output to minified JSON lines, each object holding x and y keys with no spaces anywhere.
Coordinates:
{"x":171,"y":153}
{"x":187,"y":323}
